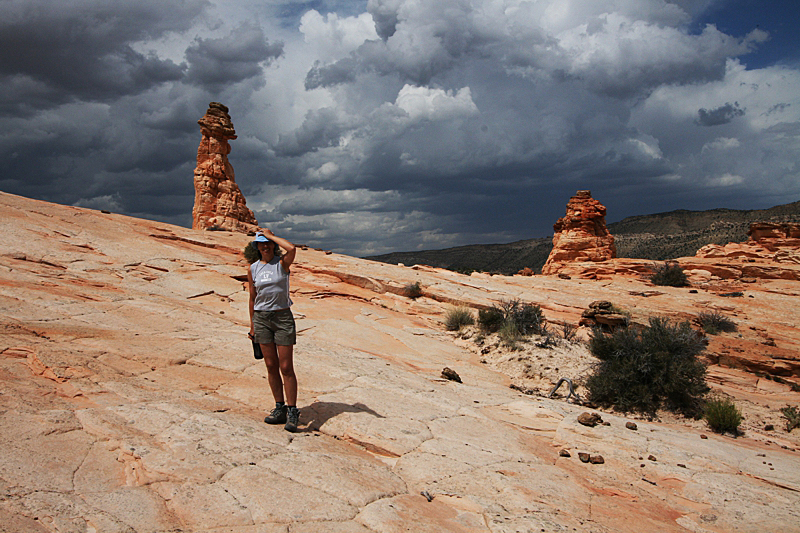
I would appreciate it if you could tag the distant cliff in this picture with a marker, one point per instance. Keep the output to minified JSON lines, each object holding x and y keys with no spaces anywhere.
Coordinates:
{"x":659,"y":236}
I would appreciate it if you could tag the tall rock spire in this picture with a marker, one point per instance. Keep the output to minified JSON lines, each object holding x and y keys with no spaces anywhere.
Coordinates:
{"x":218,"y":202}
{"x":580,"y":235}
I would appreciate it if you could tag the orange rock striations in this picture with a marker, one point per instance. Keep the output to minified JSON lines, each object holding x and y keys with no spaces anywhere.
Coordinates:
{"x":581,"y":235}
{"x":776,"y":242}
{"x":218,"y":202}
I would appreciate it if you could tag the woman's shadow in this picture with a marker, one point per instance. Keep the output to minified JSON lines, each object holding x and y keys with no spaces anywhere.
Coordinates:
{"x":316,"y":414}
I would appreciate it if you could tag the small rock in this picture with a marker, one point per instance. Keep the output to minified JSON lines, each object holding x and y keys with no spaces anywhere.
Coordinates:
{"x":703,"y":436}
{"x":681,"y":465}
{"x":452,"y":375}
{"x":761,"y":455}
{"x":584,"y":457}
{"x":564,"y":453}
{"x":606,"y":423}
{"x":693,"y":291}
{"x":631,"y":425}
{"x":564,"y":276}
{"x":596,"y":459}
{"x":651,"y":457}
{"x":769,"y":427}
{"x":427,"y":495}
{"x":589,"y":419}
{"x":105,"y":211}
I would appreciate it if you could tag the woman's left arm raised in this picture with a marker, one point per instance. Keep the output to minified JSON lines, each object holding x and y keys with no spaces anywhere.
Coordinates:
{"x":291,"y":251}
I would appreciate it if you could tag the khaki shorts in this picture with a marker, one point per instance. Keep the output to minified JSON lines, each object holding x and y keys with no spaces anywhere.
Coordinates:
{"x":275,"y":327}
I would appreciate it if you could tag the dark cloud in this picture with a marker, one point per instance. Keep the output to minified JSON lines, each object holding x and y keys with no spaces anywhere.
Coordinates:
{"x":320,"y":129}
{"x":82,"y":50}
{"x":721,"y":115}
{"x":413,"y":125}
{"x":343,"y":71}
{"x":214,"y":63}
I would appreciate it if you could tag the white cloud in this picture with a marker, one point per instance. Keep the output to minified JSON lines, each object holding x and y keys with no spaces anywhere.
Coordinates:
{"x":726,"y":180}
{"x":424,"y":103}
{"x":332,"y":37}
{"x":721,"y":143}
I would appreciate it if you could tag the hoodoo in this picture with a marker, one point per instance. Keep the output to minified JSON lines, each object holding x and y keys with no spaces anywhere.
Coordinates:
{"x":218,"y":202}
{"x":580,"y":235}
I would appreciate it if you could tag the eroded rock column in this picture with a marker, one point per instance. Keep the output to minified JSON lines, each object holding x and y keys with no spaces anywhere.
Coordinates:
{"x":218,"y":202}
{"x":581,"y":235}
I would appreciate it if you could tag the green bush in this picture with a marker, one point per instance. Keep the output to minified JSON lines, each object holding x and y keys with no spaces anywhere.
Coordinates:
{"x":649,"y":368}
{"x":670,"y":274}
{"x":525,"y":318}
{"x":510,"y":335}
{"x":714,"y":322}
{"x":792,"y":416}
{"x":413,"y":290}
{"x":722,"y":416}
{"x":458,"y":317}
{"x":491,"y":320}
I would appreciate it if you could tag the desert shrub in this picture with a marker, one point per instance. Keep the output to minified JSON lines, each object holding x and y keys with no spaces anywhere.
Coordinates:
{"x":714,"y":322}
{"x":669,"y":274}
{"x":458,"y":317}
{"x":722,"y":415}
{"x":413,"y":290}
{"x":510,"y":335}
{"x":491,"y":320}
{"x":525,"y":318}
{"x":548,"y":340}
{"x":792,"y":416}
{"x":251,"y":254}
{"x":649,"y":368}
{"x":569,"y":331}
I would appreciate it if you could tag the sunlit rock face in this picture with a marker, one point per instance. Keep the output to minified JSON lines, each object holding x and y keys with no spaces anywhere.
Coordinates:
{"x":218,"y":202}
{"x":776,"y":242}
{"x":581,"y":235}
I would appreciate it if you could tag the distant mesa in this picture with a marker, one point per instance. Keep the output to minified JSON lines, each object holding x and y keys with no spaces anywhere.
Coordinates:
{"x":581,"y":235}
{"x":218,"y":202}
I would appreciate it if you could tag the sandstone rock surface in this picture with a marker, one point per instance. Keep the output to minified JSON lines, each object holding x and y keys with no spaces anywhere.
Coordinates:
{"x":768,"y":241}
{"x":581,"y":235}
{"x":131,"y":401}
{"x":218,"y":202}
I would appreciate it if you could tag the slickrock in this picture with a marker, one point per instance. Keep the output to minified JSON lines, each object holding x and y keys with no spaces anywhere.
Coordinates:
{"x":776,"y":242}
{"x":131,"y":404}
{"x":581,"y":235}
{"x":218,"y":202}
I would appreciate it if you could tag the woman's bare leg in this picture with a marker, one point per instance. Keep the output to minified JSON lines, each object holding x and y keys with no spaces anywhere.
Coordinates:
{"x":286,"y":359}
{"x":274,"y":371}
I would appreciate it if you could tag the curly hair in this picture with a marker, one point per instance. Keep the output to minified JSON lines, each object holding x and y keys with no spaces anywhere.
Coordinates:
{"x":251,"y":253}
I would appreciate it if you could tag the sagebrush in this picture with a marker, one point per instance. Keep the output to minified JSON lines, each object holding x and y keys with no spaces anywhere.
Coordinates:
{"x":458,"y":317}
{"x":669,"y":274}
{"x":714,"y":322}
{"x":792,"y":416}
{"x":649,"y":368}
{"x":413,"y":290}
{"x":722,"y":416}
{"x":513,"y":315}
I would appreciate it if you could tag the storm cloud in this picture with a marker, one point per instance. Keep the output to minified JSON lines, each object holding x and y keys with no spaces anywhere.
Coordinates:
{"x":379,"y":125}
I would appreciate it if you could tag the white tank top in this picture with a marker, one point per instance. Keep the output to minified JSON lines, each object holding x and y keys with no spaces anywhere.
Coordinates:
{"x":272,"y":285}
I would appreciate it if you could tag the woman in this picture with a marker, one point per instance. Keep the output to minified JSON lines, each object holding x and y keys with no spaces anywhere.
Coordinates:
{"x":272,"y":323}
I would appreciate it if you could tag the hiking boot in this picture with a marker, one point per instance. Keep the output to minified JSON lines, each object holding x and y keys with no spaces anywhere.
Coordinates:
{"x":293,"y":418}
{"x":277,"y":415}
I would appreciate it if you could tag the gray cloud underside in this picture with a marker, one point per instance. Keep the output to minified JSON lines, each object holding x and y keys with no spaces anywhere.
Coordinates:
{"x":395,"y":124}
